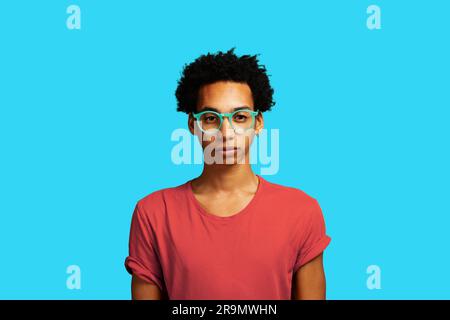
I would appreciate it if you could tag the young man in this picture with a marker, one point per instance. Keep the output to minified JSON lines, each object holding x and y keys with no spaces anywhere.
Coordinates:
{"x":229,"y":233}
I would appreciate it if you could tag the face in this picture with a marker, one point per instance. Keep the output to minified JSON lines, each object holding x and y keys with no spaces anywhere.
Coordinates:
{"x":226,"y":96}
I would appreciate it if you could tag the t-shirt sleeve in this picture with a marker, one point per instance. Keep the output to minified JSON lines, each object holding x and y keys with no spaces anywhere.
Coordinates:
{"x":314,"y":239}
{"x":142,"y":259}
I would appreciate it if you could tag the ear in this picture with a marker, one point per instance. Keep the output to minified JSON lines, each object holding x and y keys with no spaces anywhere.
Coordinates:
{"x":259,"y":123}
{"x":191,"y":123}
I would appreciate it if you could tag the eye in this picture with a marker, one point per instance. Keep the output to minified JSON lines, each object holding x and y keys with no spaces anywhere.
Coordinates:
{"x":241,"y":117}
{"x":209,"y":118}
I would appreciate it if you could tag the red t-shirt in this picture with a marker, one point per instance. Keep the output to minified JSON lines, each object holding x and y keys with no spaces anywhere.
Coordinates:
{"x":192,"y":254}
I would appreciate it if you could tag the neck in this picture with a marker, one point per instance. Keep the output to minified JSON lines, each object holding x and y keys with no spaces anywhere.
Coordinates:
{"x":227,"y":178}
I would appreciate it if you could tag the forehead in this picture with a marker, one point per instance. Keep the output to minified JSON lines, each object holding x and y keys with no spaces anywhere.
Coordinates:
{"x":225,"y":96}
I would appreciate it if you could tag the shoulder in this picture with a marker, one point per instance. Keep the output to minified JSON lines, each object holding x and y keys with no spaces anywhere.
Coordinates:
{"x":155,"y":202}
{"x":301,"y":210}
{"x":286,"y":194}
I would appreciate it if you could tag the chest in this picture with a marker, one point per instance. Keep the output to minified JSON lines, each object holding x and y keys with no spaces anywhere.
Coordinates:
{"x":251,"y":245}
{"x":224,"y":206}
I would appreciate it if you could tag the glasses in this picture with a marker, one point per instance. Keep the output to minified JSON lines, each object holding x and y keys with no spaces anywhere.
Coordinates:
{"x":211,"y":121}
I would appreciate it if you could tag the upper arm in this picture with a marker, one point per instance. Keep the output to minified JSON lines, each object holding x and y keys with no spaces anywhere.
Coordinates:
{"x":309,"y":277}
{"x":143,"y":259}
{"x":143,"y":290}
{"x":309,"y":282}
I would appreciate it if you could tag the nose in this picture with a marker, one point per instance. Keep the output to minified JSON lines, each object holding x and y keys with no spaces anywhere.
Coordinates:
{"x":226,"y":127}
{"x":227,"y":130}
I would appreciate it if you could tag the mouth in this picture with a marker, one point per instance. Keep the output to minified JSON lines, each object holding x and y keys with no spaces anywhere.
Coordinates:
{"x":228,"y":149}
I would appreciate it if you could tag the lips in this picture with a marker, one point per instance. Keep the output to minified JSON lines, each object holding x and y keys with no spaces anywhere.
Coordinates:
{"x":227,"y":149}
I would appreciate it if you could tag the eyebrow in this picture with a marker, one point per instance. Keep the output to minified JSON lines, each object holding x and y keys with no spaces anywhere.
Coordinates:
{"x":208,"y":108}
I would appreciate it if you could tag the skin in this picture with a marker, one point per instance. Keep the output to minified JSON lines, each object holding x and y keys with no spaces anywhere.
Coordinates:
{"x":309,"y":282}
{"x":142,"y":290}
{"x":224,"y":189}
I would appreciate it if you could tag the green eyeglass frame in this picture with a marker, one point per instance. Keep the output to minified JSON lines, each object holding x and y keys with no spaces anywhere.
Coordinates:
{"x":229,"y":115}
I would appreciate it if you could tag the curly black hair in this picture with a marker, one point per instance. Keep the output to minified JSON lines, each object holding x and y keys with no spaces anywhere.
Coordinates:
{"x":222,"y":66}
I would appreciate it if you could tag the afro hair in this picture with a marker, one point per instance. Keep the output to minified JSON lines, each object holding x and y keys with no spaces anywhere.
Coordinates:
{"x":221,"y":66}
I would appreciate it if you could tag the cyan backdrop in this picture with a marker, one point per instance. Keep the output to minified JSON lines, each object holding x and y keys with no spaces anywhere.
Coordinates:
{"x":86,"y":118}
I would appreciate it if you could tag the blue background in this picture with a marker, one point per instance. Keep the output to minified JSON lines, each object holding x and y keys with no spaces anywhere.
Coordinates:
{"x":86,"y":117}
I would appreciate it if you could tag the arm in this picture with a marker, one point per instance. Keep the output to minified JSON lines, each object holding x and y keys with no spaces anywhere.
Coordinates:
{"x":142,"y":290}
{"x":142,"y":261}
{"x":308,"y":282}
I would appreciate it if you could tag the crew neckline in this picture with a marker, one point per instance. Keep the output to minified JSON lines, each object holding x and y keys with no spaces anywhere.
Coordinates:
{"x":234,"y":216}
